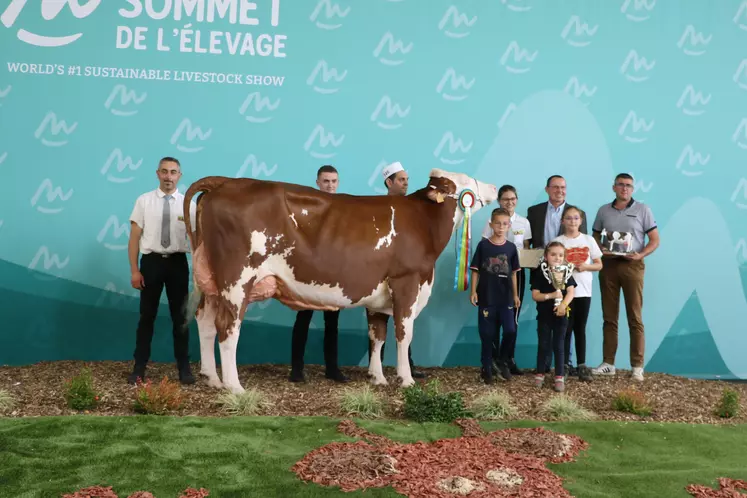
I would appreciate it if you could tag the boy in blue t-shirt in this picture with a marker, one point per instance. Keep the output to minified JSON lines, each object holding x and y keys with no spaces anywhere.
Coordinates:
{"x":494,"y":292}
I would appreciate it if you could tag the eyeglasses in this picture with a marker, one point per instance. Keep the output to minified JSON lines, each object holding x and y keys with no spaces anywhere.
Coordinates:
{"x":508,"y":199}
{"x":624,"y":185}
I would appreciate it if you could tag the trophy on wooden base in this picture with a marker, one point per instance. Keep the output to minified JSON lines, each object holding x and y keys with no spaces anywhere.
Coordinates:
{"x":557,"y":276}
{"x":618,"y":243}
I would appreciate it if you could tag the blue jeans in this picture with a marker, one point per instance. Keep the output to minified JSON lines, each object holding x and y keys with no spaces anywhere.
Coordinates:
{"x":551,"y":335}
{"x":489,"y":318}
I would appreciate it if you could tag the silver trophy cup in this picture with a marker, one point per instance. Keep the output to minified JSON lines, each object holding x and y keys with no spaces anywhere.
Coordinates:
{"x":557,"y":276}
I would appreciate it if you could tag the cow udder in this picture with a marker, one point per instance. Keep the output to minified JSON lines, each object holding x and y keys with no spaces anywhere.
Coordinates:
{"x":264,"y":289}
{"x":203,"y":276}
{"x":273,"y":287}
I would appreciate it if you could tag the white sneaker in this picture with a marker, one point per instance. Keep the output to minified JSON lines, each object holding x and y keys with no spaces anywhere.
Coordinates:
{"x":638,"y":374}
{"x":604,"y":369}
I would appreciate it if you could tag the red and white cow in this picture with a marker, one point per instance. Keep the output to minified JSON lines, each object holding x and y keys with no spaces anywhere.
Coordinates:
{"x":309,"y":249}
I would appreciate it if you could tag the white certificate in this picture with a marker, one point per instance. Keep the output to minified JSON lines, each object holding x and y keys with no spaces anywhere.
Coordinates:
{"x":530,"y":258}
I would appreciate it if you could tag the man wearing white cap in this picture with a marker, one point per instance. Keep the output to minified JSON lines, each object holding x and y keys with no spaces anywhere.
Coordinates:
{"x":396,"y":180}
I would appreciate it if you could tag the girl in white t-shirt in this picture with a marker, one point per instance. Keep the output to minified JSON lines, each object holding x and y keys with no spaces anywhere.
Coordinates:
{"x":581,"y":250}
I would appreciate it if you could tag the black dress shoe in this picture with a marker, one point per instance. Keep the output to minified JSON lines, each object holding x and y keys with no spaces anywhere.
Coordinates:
{"x":137,"y":373}
{"x":297,"y":376}
{"x":186,"y":377}
{"x":417,"y":375}
{"x":337,"y":376}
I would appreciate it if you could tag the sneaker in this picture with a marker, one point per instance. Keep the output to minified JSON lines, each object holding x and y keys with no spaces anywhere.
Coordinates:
{"x":504,"y":370}
{"x":570,"y":370}
{"x":513,"y":368}
{"x":638,"y":374}
{"x":539,"y":379}
{"x":487,"y":376}
{"x":584,"y":373}
{"x":604,"y":369}
{"x":559,"y":384}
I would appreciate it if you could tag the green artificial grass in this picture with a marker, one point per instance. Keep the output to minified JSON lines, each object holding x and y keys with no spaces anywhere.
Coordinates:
{"x":246,"y":457}
{"x":648,"y":459}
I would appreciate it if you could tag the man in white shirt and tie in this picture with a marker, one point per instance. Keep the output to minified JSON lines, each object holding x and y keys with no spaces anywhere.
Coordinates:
{"x":158,"y":233}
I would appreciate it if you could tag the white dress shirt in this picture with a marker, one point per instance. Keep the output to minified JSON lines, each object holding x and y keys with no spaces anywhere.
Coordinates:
{"x":148,"y":214}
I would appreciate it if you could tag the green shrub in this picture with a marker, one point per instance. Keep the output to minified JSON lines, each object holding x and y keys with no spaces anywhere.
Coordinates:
{"x":158,"y":399}
{"x":250,"y":402}
{"x":429,"y":405}
{"x":561,"y":407}
{"x":7,"y":401}
{"x":495,"y":405}
{"x":79,"y":392}
{"x":631,"y":401}
{"x":363,"y":402}
{"x":728,"y":405}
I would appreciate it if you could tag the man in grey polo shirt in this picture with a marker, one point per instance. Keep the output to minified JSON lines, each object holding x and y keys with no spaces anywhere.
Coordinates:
{"x":624,"y":214}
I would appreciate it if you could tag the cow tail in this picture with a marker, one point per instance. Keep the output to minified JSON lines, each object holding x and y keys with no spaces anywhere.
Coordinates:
{"x":203,"y":186}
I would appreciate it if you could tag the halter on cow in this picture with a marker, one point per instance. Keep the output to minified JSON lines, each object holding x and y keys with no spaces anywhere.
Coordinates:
{"x":309,"y":249}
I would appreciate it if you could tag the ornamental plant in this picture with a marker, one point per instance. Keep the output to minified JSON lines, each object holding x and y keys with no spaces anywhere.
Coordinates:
{"x":79,"y":391}
{"x":158,"y":399}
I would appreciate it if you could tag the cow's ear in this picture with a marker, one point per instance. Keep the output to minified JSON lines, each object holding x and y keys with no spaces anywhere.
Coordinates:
{"x":436,"y":196}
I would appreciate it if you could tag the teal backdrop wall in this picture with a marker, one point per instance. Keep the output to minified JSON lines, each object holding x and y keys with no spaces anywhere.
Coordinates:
{"x":93,"y":93}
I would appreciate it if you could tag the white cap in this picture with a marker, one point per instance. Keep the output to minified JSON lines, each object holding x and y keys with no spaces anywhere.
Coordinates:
{"x":391,"y":169}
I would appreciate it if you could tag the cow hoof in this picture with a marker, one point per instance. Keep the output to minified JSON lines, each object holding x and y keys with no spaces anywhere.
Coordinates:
{"x":215,"y":383}
{"x":381,"y":381}
{"x":235,"y":389}
{"x":408,"y":382}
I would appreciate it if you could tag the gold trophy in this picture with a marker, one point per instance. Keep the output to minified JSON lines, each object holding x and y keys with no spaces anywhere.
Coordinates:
{"x":557,"y":276}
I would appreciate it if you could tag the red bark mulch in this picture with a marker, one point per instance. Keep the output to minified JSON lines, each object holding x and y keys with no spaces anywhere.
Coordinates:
{"x":108,"y":492}
{"x":509,"y":462}
{"x":728,"y":488}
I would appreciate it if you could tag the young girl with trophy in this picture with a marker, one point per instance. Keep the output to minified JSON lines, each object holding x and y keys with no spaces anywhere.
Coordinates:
{"x":584,"y":253}
{"x":553,"y":288}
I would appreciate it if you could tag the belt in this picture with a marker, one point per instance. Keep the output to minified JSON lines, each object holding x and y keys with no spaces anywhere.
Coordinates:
{"x":166,"y":254}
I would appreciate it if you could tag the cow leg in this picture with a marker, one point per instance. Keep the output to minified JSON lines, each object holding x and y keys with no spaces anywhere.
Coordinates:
{"x":207,"y":333}
{"x":228,"y":360}
{"x":405,"y":297}
{"x":229,"y":315}
{"x":376,"y":334}
{"x":403,"y":360}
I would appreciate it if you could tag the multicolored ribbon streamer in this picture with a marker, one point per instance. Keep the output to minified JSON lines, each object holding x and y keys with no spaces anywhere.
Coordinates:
{"x":464,"y":235}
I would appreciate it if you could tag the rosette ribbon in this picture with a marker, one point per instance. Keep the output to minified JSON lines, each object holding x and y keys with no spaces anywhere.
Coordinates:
{"x":463,"y":237}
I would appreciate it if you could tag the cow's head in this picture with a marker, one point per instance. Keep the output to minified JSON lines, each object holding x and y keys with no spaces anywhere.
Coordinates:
{"x":447,"y":185}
